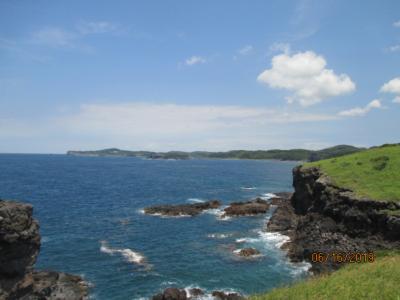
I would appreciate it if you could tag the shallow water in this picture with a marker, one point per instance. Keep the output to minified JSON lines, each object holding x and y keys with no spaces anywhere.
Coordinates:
{"x":89,"y":209}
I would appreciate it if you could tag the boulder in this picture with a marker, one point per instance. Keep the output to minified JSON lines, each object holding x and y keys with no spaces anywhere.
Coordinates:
{"x":171,"y":294}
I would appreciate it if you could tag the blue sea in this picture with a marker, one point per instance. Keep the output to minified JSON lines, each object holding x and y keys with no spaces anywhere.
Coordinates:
{"x":91,"y":222}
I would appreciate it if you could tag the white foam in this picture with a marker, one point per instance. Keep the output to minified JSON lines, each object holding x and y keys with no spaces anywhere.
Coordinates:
{"x":248,"y":188}
{"x":219,"y":213}
{"x":268,"y":196}
{"x":208,"y":294}
{"x":300,"y":268}
{"x":241,"y":240}
{"x":219,"y":235}
{"x":195,"y":200}
{"x":129,"y":255}
{"x":275,"y":237}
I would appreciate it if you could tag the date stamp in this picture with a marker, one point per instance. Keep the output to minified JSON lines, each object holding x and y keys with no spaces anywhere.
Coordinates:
{"x":343,"y":257}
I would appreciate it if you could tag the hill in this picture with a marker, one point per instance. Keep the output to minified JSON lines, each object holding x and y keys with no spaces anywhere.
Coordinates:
{"x":293,"y":154}
{"x":377,"y":280}
{"x":373,"y":174}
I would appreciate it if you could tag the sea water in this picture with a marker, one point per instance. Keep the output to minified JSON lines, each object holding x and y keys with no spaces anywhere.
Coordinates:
{"x":92,"y":224}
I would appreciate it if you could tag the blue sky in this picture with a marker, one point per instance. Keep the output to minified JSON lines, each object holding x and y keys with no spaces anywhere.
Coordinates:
{"x":198,"y":75}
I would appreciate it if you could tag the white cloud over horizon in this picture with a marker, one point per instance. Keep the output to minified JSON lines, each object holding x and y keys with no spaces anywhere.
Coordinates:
{"x":160,"y":127}
{"x":305,"y":74}
{"x":361,"y":111}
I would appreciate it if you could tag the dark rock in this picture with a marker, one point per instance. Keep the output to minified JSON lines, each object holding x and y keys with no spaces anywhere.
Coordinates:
{"x":171,"y":294}
{"x":254,"y":207}
{"x":322,"y":217}
{"x":227,"y":296}
{"x":182,"y":209}
{"x":19,"y":238}
{"x":248,"y":252}
{"x":19,"y":248}
{"x":196,"y":292}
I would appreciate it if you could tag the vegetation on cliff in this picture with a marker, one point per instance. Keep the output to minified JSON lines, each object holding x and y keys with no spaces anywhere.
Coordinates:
{"x":293,"y":154}
{"x":377,"y":280}
{"x":373,"y":174}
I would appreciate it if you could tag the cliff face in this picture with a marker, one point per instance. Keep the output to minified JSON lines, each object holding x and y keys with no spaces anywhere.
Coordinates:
{"x":315,"y":193}
{"x":322,"y":217}
{"x":19,"y":248}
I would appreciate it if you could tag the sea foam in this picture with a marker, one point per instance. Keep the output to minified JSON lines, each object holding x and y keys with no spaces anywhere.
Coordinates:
{"x":129,"y":255}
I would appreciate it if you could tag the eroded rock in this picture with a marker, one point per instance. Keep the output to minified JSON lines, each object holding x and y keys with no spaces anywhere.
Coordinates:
{"x":249,"y":208}
{"x":182,"y":209}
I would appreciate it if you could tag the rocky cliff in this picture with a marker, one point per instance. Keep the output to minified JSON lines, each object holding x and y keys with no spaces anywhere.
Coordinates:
{"x":19,"y":248}
{"x":322,"y":217}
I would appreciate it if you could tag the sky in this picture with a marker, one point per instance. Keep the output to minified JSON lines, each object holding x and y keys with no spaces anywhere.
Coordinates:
{"x":198,"y":75}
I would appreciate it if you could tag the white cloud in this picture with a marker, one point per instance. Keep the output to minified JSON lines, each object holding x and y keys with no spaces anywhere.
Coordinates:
{"x":194,"y":60}
{"x":246,"y":50}
{"x":96,"y":27}
{"x":361,"y":111}
{"x":392,"y":86}
{"x":305,"y":75}
{"x":396,"y":24}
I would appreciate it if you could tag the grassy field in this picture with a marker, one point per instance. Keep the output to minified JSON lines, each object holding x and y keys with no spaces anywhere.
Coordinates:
{"x":373,"y":173}
{"x":377,"y":280}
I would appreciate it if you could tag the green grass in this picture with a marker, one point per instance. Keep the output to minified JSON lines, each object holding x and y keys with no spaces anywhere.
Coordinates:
{"x":373,"y":173}
{"x":377,"y":280}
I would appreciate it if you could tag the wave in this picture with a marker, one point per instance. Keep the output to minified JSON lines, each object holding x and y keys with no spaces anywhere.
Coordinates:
{"x":207,"y":293}
{"x":219,"y":213}
{"x":195,"y":200}
{"x":248,"y":188}
{"x":268,"y":196}
{"x":129,"y":255}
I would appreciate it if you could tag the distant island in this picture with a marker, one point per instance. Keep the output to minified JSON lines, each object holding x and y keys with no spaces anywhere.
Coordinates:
{"x":292,"y":154}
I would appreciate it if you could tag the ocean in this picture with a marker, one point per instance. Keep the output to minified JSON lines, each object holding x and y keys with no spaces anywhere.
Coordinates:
{"x":92,"y":224}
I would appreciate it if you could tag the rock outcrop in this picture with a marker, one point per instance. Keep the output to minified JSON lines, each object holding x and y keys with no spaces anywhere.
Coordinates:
{"x":19,"y":248}
{"x":248,"y":252}
{"x":249,"y":208}
{"x":322,"y":217}
{"x":181,"y":209}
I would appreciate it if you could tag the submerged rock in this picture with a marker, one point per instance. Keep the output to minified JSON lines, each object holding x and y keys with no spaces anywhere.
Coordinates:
{"x":182,"y":209}
{"x":253,"y":207}
{"x":248,"y":252}
{"x":19,"y":248}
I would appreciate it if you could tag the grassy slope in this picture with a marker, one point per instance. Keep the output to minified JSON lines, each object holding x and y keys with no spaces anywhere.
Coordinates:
{"x":377,"y":280}
{"x":374,"y":173}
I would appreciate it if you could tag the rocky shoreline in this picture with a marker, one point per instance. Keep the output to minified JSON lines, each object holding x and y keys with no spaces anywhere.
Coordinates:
{"x":321,"y":217}
{"x":19,"y":249}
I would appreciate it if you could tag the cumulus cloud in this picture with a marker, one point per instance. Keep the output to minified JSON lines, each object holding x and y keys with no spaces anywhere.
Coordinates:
{"x":396,"y":24}
{"x":304,"y":74}
{"x":393,"y":87}
{"x":246,"y":50}
{"x":194,"y":60}
{"x":361,"y":111}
